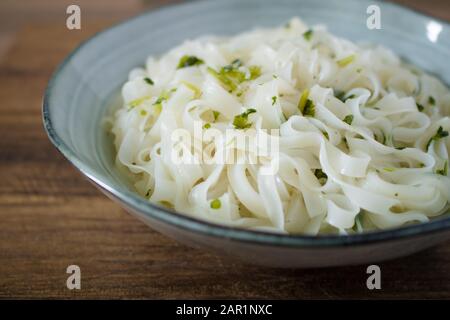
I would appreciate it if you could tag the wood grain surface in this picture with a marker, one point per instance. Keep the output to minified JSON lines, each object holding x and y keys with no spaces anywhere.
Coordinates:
{"x":51,"y":217}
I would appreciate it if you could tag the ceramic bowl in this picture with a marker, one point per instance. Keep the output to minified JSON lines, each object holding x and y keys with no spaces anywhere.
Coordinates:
{"x":79,"y":92}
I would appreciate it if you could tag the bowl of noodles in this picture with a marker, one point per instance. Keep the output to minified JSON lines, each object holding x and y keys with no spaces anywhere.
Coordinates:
{"x":287,"y":134}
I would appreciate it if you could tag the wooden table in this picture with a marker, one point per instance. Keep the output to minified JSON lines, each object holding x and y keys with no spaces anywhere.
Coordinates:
{"x":51,"y":217}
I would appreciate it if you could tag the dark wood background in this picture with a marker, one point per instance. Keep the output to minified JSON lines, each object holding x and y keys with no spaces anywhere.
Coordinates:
{"x":51,"y":217}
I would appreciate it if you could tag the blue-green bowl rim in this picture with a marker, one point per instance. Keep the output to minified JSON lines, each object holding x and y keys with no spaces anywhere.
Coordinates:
{"x":204,"y":227}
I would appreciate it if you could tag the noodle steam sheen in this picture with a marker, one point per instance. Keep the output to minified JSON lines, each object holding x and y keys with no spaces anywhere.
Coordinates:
{"x":362,"y":135}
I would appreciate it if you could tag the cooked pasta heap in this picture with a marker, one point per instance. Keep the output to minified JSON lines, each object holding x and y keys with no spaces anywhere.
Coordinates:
{"x":362,"y":135}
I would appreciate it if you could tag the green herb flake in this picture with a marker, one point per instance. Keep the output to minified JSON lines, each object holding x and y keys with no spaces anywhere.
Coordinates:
{"x":158,"y":108}
{"x":420,"y":107}
{"x":338,"y":94}
{"x":206,"y":126}
{"x":226,"y":81}
{"x":160,"y":100}
{"x":143,"y":112}
{"x":194,"y":88}
{"x":321,"y":176}
{"x":357,"y":227}
{"x":348,"y":119}
{"x":216,"y":204}
{"x":216,"y":114}
{"x":166,"y":204}
{"x":308,"y":34}
{"x":149,"y":81}
{"x":346,"y":61}
{"x":235,"y":64}
{"x":303,"y":99}
{"x":241,"y":121}
{"x":136,"y":102}
{"x":441,"y":133}
{"x":341,"y":95}
{"x":310,"y":109}
{"x":255,"y":72}
{"x":189,"y":61}
{"x":444,"y":170}
{"x":306,"y":105}
{"x":389,"y":169}
{"x":230,"y":76}
{"x":274,"y":100}
{"x":431,"y":101}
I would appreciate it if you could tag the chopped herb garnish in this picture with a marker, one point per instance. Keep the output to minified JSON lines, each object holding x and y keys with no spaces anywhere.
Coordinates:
{"x":431,"y":101}
{"x":400,"y":148}
{"x":235,"y":64}
{"x":166,"y":204}
{"x":197,"y":91}
{"x":441,"y":133}
{"x":206,"y":126}
{"x":348,"y":119}
{"x":143,"y":112}
{"x":308,"y":34}
{"x":306,"y":105}
{"x":321,"y":176}
{"x":389,"y":169}
{"x":255,"y":72}
{"x":326,"y":135}
{"x":444,"y":170}
{"x":230,"y":76}
{"x":216,"y":114}
{"x":275,"y":76}
{"x":357,"y":227}
{"x":274,"y":100}
{"x":420,"y":107}
{"x":226,"y":82}
{"x":241,"y":121}
{"x":158,"y":108}
{"x":341,"y":95}
{"x":161,"y":98}
{"x":345,"y":142}
{"x":136,"y":102}
{"x":149,"y":81}
{"x":346,"y":61}
{"x":148,"y":193}
{"x":310,"y":109}
{"x":216,"y":204}
{"x":189,"y":61}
